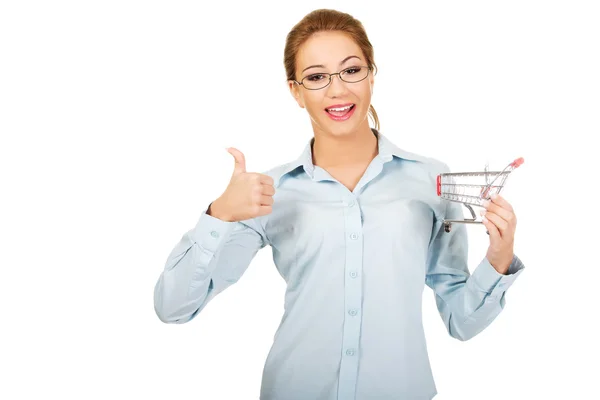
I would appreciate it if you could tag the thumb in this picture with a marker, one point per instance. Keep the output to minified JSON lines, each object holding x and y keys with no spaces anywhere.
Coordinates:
{"x":240,"y":160}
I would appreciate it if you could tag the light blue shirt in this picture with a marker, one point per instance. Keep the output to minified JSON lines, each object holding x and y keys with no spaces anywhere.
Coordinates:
{"x":355,"y":264}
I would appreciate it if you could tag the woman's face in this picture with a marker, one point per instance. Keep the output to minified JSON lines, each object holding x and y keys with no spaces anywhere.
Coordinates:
{"x":333,"y":52}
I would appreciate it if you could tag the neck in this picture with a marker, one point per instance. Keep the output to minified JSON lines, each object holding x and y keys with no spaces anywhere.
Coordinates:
{"x":347,"y":150}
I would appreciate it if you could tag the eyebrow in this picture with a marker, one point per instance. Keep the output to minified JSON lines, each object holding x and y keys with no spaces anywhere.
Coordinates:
{"x":322,"y":66}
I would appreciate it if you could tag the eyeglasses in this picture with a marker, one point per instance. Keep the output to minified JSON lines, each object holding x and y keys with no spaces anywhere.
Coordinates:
{"x":323,"y":79}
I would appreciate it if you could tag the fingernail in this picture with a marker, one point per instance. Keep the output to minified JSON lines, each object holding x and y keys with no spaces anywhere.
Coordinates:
{"x":485,"y":203}
{"x":482,"y":212}
{"x":494,"y":196}
{"x":484,"y":219}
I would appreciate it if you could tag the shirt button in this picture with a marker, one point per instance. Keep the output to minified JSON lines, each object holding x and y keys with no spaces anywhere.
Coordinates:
{"x":353,"y":236}
{"x":351,"y":203}
{"x":352,"y":312}
{"x":350,"y":352}
{"x":353,"y":274}
{"x":214,"y":234}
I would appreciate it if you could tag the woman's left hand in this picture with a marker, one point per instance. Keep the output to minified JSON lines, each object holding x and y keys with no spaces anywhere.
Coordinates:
{"x":500,"y":220}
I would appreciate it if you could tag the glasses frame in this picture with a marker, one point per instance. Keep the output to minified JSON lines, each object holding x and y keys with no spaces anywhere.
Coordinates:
{"x":331,"y":76}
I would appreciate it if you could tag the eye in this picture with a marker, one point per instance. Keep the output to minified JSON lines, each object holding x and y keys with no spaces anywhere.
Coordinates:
{"x":352,"y":70}
{"x":315,"y":77}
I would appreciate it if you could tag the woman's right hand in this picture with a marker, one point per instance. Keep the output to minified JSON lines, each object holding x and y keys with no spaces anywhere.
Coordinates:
{"x":248,"y":194}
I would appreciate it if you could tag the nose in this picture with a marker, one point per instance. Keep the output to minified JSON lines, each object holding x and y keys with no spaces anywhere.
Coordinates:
{"x":336,"y":87}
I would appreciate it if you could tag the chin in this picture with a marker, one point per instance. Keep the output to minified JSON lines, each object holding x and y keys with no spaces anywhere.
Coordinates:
{"x":343,"y":128}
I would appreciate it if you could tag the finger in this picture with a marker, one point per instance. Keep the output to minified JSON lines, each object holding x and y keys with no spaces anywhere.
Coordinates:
{"x":268,"y":190}
{"x":266,"y":200}
{"x":266,"y":179}
{"x":264,"y":210}
{"x":492,"y":230}
{"x":500,"y":224}
{"x":259,"y":178}
{"x":240,"y":161}
{"x":501,"y":201}
{"x":504,"y":213}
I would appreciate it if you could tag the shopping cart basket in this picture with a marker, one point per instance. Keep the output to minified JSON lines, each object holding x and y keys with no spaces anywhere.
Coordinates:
{"x":472,"y":188}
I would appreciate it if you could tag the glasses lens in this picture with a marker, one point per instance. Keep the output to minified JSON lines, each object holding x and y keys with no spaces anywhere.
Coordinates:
{"x":351,"y":75}
{"x":354,"y":74}
{"x":316,"y":81}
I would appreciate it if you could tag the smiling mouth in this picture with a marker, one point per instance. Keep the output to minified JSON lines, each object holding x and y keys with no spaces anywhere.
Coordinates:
{"x":341,"y":111}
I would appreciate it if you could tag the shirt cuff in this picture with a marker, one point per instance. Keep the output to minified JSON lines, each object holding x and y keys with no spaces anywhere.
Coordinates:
{"x":210,"y":232}
{"x":487,"y":279}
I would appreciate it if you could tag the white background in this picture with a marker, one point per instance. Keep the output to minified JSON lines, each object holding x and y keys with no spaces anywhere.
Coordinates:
{"x":115,"y":116}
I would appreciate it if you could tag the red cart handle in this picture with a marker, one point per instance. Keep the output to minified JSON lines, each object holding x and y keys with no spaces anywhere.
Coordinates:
{"x":517,"y":162}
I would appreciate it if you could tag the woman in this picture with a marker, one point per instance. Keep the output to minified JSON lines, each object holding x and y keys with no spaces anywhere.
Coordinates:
{"x":356,"y":230}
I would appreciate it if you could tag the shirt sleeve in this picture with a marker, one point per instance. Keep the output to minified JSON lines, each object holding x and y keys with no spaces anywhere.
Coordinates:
{"x":209,"y":258}
{"x":467,"y":303}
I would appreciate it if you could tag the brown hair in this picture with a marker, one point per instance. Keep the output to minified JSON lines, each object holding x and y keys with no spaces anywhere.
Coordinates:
{"x":328,"y":20}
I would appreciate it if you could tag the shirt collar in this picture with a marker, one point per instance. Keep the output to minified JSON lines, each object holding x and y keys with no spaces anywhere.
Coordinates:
{"x":387,"y":150}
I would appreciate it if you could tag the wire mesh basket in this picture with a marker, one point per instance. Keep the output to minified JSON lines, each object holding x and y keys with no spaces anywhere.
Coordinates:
{"x":472,"y":188}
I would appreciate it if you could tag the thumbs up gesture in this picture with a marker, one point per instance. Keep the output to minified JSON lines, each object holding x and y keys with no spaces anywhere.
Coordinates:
{"x":248,"y":194}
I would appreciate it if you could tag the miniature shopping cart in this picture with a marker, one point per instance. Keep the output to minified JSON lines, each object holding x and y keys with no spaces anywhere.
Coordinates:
{"x":472,"y":188}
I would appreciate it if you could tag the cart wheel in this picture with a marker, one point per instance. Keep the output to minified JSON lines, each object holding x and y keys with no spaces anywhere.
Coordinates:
{"x":447,"y":226}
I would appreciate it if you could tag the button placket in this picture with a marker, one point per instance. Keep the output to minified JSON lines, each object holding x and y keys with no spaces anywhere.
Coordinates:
{"x":352,"y":295}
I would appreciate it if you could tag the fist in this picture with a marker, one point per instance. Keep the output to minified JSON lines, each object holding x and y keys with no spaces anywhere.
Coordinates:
{"x":248,"y":194}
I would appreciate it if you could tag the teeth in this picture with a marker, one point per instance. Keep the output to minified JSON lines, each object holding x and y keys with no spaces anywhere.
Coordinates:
{"x":340,"y":109}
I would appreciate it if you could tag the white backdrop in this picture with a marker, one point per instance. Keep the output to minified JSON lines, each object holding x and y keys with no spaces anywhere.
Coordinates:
{"x":115,"y":116}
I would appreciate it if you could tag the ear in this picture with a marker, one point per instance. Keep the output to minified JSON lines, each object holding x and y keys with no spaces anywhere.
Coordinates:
{"x":371,"y":82}
{"x":295,"y":91}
